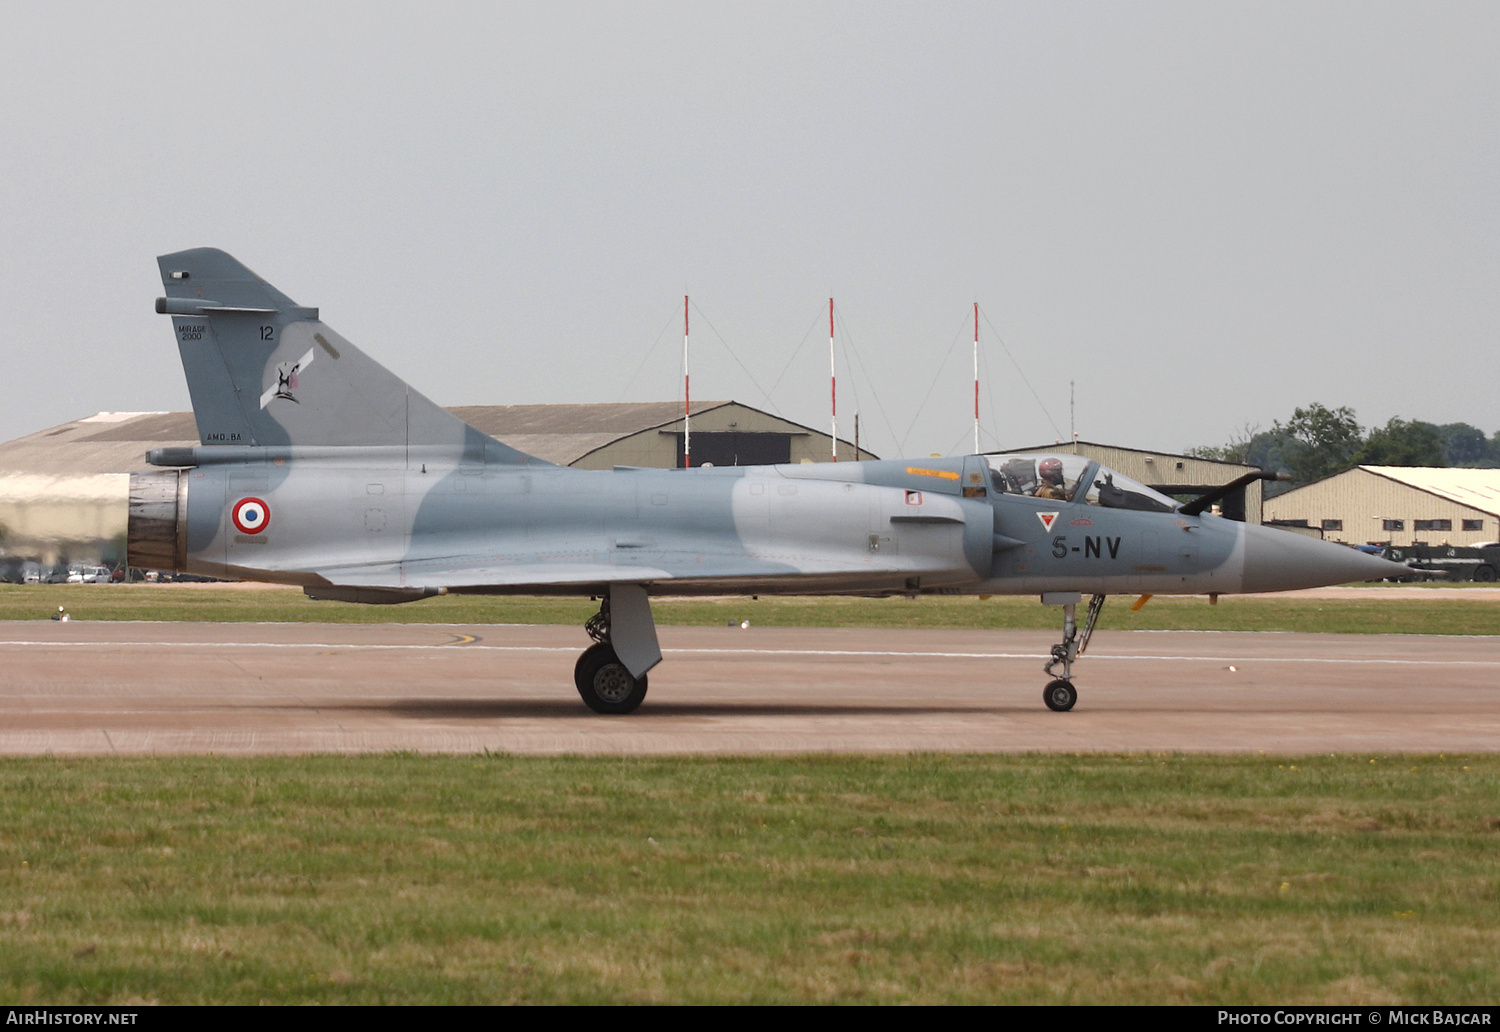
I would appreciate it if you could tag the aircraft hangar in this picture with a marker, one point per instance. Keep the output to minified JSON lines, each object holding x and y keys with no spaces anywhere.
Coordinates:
{"x":724,"y":433}
{"x":1397,"y":505}
{"x":63,"y":489}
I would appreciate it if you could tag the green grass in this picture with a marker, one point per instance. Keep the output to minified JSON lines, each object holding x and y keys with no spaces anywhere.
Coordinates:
{"x":962,"y":879}
{"x":1378,"y":614}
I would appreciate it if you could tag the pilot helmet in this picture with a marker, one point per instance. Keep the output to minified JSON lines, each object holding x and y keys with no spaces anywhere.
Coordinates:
{"x":1050,"y":470}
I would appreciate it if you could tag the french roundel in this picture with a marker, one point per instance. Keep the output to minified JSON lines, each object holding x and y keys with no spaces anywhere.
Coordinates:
{"x":250,"y":515}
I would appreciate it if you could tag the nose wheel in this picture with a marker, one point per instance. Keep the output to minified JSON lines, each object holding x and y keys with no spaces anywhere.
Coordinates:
{"x":1060,"y":695}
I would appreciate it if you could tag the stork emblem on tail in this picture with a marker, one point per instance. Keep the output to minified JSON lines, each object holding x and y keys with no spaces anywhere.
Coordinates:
{"x":287,"y":374}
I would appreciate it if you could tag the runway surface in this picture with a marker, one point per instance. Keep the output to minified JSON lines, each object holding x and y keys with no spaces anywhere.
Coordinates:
{"x":160,"y":688}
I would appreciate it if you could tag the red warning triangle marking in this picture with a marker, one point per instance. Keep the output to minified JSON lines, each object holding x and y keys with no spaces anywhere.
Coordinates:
{"x":1046,"y":518}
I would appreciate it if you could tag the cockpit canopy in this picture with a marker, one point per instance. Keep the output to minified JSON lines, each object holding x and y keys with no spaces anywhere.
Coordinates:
{"x":1067,"y":477}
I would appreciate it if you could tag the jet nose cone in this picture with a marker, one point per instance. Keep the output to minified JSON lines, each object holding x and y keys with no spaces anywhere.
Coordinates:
{"x":1280,"y":560}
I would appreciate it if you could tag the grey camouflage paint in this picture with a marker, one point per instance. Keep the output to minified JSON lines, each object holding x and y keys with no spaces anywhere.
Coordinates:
{"x":375,"y":494}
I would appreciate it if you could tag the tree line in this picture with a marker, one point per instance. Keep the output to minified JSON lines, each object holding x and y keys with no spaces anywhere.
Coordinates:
{"x":1318,"y":442}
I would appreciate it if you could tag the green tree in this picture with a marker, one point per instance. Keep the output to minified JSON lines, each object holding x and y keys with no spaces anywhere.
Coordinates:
{"x":1403,"y":443}
{"x":1237,"y":450}
{"x":1464,"y":445}
{"x":1318,"y":441}
{"x":1267,"y":450}
{"x":1252,"y":446}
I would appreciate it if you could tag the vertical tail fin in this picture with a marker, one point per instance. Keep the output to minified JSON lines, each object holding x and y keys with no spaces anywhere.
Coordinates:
{"x":263,"y":370}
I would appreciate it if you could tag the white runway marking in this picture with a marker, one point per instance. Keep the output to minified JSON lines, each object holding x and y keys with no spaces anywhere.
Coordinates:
{"x":69,"y":690}
{"x":1242,"y":658}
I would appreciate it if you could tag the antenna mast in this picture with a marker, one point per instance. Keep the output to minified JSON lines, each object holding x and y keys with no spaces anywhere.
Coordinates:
{"x":687,"y":430}
{"x":976,"y":377}
{"x":833,"y":385}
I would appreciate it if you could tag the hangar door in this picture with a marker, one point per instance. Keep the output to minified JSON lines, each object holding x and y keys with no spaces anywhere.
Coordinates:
{"x":732,"y":448}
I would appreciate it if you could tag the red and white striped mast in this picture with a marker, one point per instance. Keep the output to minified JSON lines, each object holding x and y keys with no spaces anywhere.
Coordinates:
{"x":687,"y":430}
{"x":833,"y":385}
{"x":976,"y":377}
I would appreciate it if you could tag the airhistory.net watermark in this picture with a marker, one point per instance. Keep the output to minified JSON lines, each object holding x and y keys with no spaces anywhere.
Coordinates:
{"x":44,"y":1016}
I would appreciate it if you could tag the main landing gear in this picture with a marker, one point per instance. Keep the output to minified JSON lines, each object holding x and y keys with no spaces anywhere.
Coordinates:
{"x":605,"y":684}
{"x":1060,"y":695}
{"x":604,"y":679}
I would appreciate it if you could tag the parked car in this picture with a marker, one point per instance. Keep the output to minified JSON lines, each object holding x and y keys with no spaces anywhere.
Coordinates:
{"x":88,"y":575}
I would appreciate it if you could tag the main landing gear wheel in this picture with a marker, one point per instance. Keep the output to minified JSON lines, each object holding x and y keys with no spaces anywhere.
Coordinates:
{"x":604,"y":683}
{"x":1060,"y":696}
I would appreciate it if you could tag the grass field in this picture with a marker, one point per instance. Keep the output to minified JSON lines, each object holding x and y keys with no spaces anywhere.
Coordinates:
{"x":1379,"y":614}
{"x":923,"y":879}
{"x":994,"y":879}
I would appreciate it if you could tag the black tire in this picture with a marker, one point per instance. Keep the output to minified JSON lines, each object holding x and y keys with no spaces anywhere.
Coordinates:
{"x":1485,"y":573}
{"x":1060,"y":695}
{"x":604,"y":683}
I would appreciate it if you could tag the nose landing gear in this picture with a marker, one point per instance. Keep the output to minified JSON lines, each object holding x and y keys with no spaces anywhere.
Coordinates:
{"x":1060,"y":695}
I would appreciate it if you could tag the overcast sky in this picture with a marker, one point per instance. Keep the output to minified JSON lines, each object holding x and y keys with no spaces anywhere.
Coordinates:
{"x":1205,"y":214}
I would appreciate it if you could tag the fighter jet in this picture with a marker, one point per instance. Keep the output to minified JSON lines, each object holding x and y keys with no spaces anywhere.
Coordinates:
{"x":320,"y":468}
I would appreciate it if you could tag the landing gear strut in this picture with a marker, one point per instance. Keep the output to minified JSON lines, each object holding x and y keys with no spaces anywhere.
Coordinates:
{"x":1060,"y":695}
{"x":603,"y":681}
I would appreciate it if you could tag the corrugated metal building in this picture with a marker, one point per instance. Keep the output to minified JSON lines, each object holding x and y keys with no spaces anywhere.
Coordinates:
{"x":724,"y":433}
{"x":585,"y":436}
{"x":1171,"y":474}
{"x":63,"y":489}
{"x":1398,"y":505}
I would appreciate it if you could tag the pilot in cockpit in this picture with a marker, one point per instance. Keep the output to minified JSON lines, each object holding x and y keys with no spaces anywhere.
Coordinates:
{"x":1049,"y":474}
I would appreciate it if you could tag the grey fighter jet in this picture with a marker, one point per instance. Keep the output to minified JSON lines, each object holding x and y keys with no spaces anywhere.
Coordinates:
{"x":320,"y":468}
